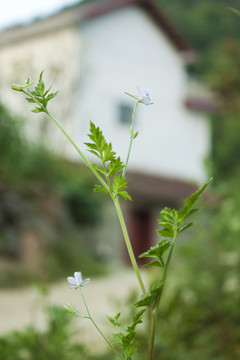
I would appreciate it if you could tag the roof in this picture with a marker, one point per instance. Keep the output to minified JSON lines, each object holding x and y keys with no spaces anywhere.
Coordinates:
{"x":92,"y":9}
{"x":155,"y":189}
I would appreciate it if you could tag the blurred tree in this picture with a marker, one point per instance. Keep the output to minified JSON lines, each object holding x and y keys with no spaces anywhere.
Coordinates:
{"x":214,"y":31}
{"x":204,"y":23}
{"x":224,"y":77}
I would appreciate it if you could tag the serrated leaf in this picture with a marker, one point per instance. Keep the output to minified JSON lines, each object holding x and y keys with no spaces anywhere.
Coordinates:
{"x":119,"y":183}
{"x":165,"y":233}
{"x":189,"y":202}
{"x":91,"y":146}
{"x":100,"y":188}
{"x":192,"y":211}
{"x":97,"y":137}
{"x":136,"y":320}
{"x":31,"y":100}
{"x":117,"y":338}
{"x":157,"y":252}
{"x":37,"y":110}
{"x":185,"y":227}
{"x":115,"y":166}
{"x":146,"y":300}
{"x":40,"y":86}
{"x":108,"y":153}
{"x":125,"y":195}
{"x":98,"y":168}
{"x":52,"y":95}
{"x":95,"y":153}
{"x":114,"y":320}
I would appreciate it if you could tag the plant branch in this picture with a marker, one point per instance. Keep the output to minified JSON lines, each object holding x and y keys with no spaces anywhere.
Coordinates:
{"x":128,"y":244}
{"x":131,"y":136}
{"x":98,"y":329}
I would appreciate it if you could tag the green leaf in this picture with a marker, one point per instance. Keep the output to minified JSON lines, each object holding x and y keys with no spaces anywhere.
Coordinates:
{"x":153,"y":263}
{"x":39,"y":95}
{"x":114,"y":320}
{"x":125,"y":195}
{"x":157,"y":252}
{"x":108,"y":153}
{"x":126,"y":339}
{"x":97,"y":137}
{"x":37,"y":110}
{"x":235,"y":11}
{"x":185,"y":227}
{"x":189,"y":202}
{"x":98,"y":168}
{"x":119,"y":183}
{"x":51,"y":96}
{"x":100,"y":188}
{"x":166,"y":232}
{"x":136,"y":320}
{"x":117,"y":338}
{"x":115,"y":166}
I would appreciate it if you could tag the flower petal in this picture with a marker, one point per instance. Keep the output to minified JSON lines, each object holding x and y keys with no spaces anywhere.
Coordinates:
{"x":71,"y":280}
{"x":86,"y":281}
{"x":78,"y":277}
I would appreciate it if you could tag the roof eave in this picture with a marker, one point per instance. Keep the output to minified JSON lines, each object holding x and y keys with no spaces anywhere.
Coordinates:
{"x":72,"y":15}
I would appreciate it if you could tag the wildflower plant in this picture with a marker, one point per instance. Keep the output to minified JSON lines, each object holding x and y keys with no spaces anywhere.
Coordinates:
{"x":111,"y":176}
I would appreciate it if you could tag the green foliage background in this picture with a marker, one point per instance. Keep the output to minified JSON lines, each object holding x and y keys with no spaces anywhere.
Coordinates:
{"x":214,"y":32}
{"x":200,"y":315}
{"x":25,"y":165}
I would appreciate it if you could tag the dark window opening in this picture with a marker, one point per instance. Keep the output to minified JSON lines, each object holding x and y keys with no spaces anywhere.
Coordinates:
{"x":125,"y":114}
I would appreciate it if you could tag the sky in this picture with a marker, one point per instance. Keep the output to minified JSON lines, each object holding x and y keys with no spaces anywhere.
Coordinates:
{"x":15,"y":12}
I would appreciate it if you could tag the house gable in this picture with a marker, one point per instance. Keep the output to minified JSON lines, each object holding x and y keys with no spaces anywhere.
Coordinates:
{"x":112,"y":47}
{"x":72,"y":15}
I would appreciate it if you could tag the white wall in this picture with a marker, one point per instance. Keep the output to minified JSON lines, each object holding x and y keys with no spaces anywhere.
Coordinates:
{"x":93,"y":66}
{"x":123,"y":50}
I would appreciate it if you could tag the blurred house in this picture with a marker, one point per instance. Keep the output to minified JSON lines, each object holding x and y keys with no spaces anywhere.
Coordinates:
{"x":93,"y":52}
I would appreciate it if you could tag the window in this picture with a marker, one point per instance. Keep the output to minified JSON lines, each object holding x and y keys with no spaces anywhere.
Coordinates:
{"x":125,"y":114}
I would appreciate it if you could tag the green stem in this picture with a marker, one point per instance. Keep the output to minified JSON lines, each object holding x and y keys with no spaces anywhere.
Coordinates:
{"x":131,"y":137}
{"x":100,"y":179}
{"x":156,"y":306}
{"x":78,"y":150}
{"x":128,"y":244}
{"x":98,"y":329}
{"x":152,"y":333}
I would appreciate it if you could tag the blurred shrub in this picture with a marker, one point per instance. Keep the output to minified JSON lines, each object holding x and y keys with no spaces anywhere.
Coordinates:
{"x":70,"y":254}
{"x":28,"y":164}
{"x":56,"y":342}
{"x":200,"y":313}
{"x":53,"y":197}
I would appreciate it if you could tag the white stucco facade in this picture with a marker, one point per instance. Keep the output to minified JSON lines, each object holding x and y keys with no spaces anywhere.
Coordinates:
{"x":125,"y":50}
{"x":93,"y":63}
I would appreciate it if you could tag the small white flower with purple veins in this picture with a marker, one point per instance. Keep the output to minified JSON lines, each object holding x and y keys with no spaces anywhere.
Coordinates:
{"x":144,"y":97}
{"x":77,"y":280}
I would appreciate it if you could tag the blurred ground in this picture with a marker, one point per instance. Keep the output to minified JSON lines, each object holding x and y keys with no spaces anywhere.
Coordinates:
{"x":104,"y":296}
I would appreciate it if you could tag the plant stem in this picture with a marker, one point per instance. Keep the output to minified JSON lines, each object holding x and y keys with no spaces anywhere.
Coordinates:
{"x":131,"y":137}
{"x":156,"y":306}
{"x":100,"y":179}
{"x":152,"y":333}
{"x":98,"y":329}
{"x":128,"y":244}
{"x":78,"y":150}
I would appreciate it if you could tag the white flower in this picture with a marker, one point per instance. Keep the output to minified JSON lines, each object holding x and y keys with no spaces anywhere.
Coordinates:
{"x":144,"y":97}
{"x":77,"y":280}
